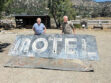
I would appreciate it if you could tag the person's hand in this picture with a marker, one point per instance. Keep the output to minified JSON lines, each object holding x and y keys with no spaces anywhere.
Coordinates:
{"x":34,"y":33}
{"x":62,"y":33}
{"x":74,"y":33}
{"x":44,"y":31}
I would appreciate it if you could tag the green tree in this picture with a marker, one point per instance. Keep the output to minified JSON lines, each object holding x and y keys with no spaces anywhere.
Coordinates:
{"x":59,"y":8}
{"x":28,"y":7}
{"x":3,"y":5}
{"x":106,"y":11}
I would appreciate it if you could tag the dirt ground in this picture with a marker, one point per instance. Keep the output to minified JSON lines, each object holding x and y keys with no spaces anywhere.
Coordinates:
{"x":102,"y":73}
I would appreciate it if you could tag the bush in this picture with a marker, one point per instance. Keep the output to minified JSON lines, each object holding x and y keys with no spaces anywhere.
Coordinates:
{"x":77,"y":25}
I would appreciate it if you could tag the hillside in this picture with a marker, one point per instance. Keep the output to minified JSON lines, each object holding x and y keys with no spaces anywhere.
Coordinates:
{"x":85,"y":2}
{"x":90,"y":3}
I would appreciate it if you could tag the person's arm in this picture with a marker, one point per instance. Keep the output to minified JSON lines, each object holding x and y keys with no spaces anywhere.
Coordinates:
{"x":45,"y":30}
{"x":34,"y":30}
{"x":73,"y":28}
{"x":62,"y":29}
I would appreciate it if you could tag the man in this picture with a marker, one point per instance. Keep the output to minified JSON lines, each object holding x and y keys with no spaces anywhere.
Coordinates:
{"x":67,"y":27}
{"x":39,"y":28}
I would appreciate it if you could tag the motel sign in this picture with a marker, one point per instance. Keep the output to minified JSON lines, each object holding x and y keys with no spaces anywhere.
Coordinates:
{"x":56,"y":46}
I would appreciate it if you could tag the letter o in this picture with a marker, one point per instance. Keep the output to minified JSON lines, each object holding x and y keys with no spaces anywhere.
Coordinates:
{"x":35,"y":49}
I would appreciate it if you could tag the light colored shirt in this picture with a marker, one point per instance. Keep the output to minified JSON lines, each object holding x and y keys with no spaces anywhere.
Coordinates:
{"x":67,"y":28}
{"x":39,"y":28}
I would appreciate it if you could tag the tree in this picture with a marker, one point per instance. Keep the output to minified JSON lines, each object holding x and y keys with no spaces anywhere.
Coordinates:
{"x":3,"y":5}
{"x":106,"y":11}
{"x":59,"y":8}
{"x":28,"y":7}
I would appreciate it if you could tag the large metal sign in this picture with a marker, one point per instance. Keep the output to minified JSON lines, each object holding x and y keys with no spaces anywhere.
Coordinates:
{"x":56,"y":46}
{"x":46,"y":63}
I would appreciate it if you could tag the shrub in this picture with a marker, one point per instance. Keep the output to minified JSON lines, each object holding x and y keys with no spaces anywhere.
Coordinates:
{"x":77,"y":25}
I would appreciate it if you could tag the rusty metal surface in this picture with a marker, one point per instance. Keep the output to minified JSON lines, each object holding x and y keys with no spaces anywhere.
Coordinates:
{"x":56,"y":64}
{"x":54,"y":51}
{"x":56,"y":46}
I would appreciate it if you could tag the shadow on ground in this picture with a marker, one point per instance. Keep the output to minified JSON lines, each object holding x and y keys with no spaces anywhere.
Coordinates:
{"x":3,"y":45}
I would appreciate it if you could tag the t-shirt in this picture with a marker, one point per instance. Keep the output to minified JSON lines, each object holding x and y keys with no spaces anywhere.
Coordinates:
{"x":67,"y":28}
{"x":39,"y":28}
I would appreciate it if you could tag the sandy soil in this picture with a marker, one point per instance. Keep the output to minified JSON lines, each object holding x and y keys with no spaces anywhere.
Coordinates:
{"x":102,"y":73}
